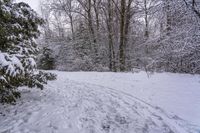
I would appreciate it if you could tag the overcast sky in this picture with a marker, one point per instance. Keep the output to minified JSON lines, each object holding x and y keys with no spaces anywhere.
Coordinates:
{"x":33,"y":3}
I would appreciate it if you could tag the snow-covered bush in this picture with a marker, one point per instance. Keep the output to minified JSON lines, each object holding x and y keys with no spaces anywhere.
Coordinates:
{"x":18,"y":31}
{"x":176,"y":47}
{"x":46,"y":60}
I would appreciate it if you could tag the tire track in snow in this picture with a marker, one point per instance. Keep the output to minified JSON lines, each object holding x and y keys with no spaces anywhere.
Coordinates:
{"x":75,"y":107}
{"x":173,"y":122}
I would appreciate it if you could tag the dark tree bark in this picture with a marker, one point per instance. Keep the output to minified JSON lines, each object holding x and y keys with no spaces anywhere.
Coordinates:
{"x":122,"y":35}
{"x":168,"y":17}
{"x":112,"y":60}
{"x":146,"y":34}
{"x":72,"y":26}
{"x":90,"y":23}
{"x":125,"y":18}
{"x":128,"y":19}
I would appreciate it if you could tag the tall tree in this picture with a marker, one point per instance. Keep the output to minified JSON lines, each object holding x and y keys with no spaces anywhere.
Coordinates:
{"x":19,"y":27}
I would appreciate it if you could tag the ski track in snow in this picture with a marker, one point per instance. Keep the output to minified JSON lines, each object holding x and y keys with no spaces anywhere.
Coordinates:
{"x":68,"y":106}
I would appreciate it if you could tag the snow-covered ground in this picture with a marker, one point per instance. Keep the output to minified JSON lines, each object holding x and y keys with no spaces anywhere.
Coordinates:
{"x":92,"y":102}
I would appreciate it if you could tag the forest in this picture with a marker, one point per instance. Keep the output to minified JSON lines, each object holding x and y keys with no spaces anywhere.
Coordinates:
{"x":120,"y":35}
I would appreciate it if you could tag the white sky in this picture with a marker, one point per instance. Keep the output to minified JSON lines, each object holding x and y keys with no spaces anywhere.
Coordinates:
{"x":33,"y":3}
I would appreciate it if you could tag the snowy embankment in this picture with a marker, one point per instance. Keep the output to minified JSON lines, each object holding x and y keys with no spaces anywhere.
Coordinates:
{"x":92,"y":102}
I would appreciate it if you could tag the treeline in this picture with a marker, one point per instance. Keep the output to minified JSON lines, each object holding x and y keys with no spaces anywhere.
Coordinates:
{"x":118,"y":35}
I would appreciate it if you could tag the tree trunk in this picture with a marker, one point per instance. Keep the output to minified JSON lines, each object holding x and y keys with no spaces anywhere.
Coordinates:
{"x":127,"y":24}
{"x":96,"y":10}
{"x":146,"y":34}
{"x":168,"y":12}
{"x":72,"y":26}
{"x":90,"y":24}
{"x":122,"y":36}
{"x":112,"y":63}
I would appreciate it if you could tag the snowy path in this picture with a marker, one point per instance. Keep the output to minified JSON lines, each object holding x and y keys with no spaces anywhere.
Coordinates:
{"x":68,"y":106}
